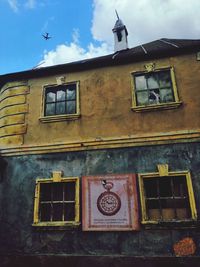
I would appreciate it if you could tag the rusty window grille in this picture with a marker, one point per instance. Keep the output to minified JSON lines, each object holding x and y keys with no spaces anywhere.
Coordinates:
{"x":57,"y":202}
{"x":61,"y":99}
{"x":167,"y":198}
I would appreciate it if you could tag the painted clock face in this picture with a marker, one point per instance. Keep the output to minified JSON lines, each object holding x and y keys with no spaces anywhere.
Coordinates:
{"x":108,"y":203}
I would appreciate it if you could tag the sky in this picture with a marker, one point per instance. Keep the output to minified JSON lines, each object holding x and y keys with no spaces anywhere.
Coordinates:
{"x":82,"y":29}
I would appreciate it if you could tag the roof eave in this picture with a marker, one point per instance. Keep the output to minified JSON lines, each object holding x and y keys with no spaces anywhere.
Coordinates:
{"x":119,"y":58}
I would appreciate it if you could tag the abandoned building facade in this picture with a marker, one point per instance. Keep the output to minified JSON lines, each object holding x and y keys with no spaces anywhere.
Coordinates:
{"x":101,"y":156}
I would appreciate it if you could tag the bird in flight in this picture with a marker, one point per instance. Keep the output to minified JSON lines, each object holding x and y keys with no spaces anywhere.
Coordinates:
{"x":46,"y":36}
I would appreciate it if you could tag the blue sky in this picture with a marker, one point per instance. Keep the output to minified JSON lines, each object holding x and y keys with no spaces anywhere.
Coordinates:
{"x":22,"y":45}
{"x":83,"y":28}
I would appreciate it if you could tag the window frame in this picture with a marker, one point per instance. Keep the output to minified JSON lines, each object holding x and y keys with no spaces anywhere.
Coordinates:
{"x":191,"y":198}
{"x":60,"y":117}
{"x":159,"y":106}
{"x":76,"y":221}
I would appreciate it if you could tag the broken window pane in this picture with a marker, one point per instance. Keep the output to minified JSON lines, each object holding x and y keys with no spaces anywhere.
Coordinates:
{"x":166,"y":95}
{"x":152,"y":81}
{"x":165,"y":79}
{"x":154,"y":96}
{"x":154,"y":88}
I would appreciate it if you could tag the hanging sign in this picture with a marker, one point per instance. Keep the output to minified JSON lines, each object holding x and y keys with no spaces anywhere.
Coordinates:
{"x":110,"y":203}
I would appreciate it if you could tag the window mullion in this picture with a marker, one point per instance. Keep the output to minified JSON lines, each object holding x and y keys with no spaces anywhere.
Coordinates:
{"x":159,"y":199}
{"x":55,"y":107}
{"x":51,"y":215}
{"x":63,"y":212}
{"x":147,"y":85}
{"x":173,"y":197}
{"x":66,"y":100}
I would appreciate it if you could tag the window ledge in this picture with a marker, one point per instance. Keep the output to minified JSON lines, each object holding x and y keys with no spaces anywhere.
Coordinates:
{"x":59,"y":118}
{"x":56,"y":225}
{"x":171,"y":224}
{"x":171,"y":105}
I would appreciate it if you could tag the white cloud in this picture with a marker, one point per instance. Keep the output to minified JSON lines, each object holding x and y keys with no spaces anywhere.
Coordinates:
{"x":72,"y":52}
{"x":65,"y":53}
{"x":146,"y":20}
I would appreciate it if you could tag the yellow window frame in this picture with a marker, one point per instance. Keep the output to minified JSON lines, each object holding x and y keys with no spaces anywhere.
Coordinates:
{"x":163,"y":171}
{"x":169,"y":105}
{"x":61,"y":117}
{"x":57,"y":178}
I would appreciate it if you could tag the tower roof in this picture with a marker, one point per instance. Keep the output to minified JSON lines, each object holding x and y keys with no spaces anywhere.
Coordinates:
{"x":119,"y":25}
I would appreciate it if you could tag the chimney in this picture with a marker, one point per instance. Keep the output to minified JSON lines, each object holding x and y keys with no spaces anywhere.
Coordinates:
{"x":120,"y":35}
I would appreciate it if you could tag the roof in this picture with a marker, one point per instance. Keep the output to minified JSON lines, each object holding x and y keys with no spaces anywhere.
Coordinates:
{"x":157,"y":49}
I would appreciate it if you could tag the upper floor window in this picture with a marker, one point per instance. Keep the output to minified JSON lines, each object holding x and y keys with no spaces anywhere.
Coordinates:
{"x":154,"y":89}
{"x":61,"y":102}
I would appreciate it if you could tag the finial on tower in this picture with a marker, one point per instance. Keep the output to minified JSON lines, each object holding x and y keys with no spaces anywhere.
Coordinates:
{"x":117,"y":14}
{"x":120,"y":34}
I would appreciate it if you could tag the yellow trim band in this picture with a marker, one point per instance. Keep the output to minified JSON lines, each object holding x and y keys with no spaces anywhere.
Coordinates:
{"x":102,"y":143}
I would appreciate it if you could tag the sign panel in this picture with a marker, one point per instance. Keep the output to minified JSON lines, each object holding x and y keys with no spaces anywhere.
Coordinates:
{"x":110,"y":203}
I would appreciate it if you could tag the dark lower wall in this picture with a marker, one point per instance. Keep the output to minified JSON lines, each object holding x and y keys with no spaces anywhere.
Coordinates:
{"x":17,"y":236}
{"x":96,"y":261}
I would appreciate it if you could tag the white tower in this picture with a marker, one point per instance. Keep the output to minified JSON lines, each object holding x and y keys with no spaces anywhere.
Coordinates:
{"x":120,"y":35}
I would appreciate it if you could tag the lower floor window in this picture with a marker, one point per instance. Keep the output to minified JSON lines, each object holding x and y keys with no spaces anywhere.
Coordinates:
{"x":167,"y":198}
{"x":57,"y":202}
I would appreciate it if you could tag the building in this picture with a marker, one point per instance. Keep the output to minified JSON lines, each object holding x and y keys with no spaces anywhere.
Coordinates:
{"x":100,"y":159}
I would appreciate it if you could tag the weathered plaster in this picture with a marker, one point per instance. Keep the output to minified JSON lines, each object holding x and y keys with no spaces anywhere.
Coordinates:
{"x":17,"y":197}
{"x":105,"y":107}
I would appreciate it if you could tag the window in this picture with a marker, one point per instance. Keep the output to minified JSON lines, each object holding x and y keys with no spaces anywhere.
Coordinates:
{"x":61,"y":102}
{"x":167,"y":197}
{"x":154,"y":89}
{"x":57,"y":202}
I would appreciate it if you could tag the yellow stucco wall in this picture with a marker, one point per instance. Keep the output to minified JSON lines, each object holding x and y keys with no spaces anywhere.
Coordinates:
{"x":13,"y":107}
{"x":105,"y":107}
